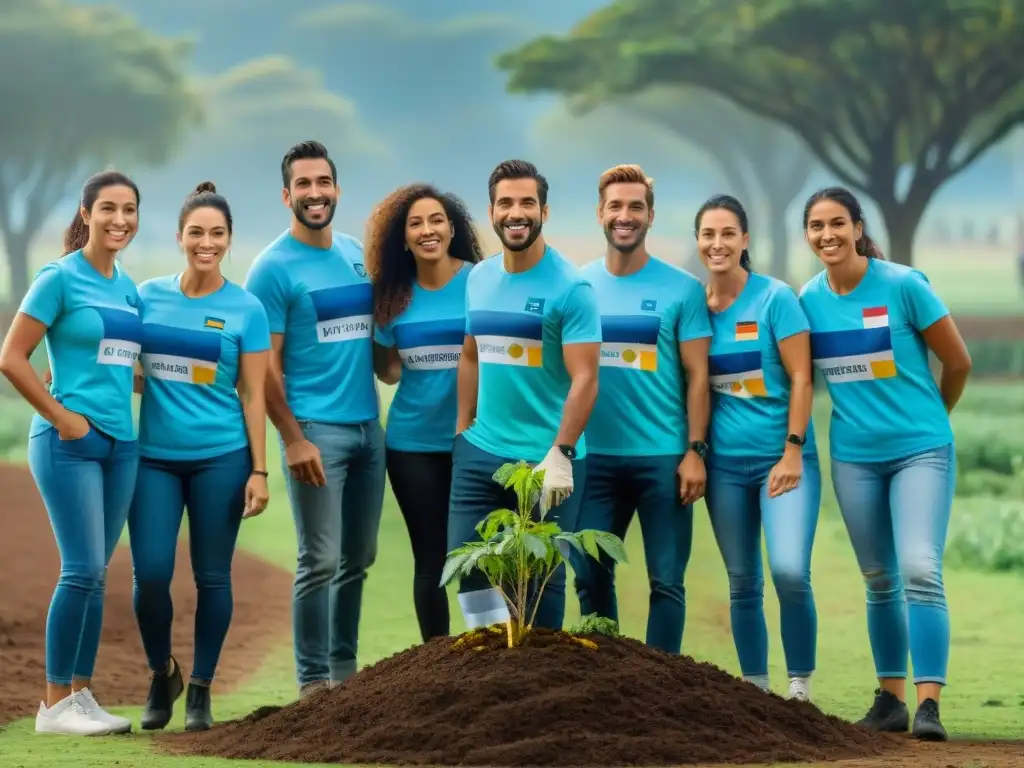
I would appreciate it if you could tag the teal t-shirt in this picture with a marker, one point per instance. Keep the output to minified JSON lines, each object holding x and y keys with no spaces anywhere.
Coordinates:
{"x":749,"y":384}
{"x":645,"y":316}
{"x":93,"y":340}
{"x":428,"y":335}
{"x":322,"y":301}
{"x":191,"y":356}
{"x":521,"y":322}
{"x":868,"y":346}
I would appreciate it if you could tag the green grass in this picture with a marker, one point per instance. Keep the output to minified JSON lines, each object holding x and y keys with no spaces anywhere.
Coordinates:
{"x":985,"y":699}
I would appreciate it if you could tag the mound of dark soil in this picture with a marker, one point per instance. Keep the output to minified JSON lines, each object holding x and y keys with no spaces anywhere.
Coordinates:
{"x":554,"y":702}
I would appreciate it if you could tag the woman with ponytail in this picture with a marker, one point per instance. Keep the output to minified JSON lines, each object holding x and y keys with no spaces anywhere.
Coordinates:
{"x":762,"y":462}
{"x":82,"y":447}
{"x":893,"y":460}
{"x":202,"y":438}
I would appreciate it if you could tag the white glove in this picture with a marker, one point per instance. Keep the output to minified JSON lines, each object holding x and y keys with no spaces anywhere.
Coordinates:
{"x":557,"y":484}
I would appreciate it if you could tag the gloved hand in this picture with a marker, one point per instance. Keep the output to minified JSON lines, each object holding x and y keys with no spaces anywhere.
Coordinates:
{"x":557,"y":484}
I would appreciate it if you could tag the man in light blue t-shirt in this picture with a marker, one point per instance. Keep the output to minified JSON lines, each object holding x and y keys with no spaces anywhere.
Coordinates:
{"x":527,"y":382}
{"x":646,"y":437}
{"x":322,"y":397}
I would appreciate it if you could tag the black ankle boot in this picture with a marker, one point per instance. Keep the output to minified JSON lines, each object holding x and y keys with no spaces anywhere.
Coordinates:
{"x":164,"y":690}
{"x":198,"y":715}
{"x":887,"y":714}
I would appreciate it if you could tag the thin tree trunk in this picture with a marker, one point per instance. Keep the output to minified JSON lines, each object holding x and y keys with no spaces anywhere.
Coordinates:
{"x":779,"y":265}
{"x":902,"y":225}
{"x":16,"y":246}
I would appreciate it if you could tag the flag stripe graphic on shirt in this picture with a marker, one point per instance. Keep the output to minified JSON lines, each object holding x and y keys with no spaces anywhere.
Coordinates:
{"x":508,"y":338}
{"x":876,"y":317}
{"x":343,"y":312}
{"x":430,"y":345}
{"x":214,"y":322}
{"x":180,"y":354}
{"x":122,"y":337}
{"x":630,"y":341}
{"x":860,"y":354}
{"x":737,"y":374}
{"x":746,"y":330}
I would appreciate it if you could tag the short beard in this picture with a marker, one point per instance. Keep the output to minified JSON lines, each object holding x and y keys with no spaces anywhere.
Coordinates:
{"x":641,"y":237}
{"x":535,"y":230}
{"x":299,"y":210}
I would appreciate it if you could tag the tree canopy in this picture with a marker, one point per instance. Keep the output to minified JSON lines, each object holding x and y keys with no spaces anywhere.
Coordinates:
{"x":84,"y":87}
{"x":894,"y":99}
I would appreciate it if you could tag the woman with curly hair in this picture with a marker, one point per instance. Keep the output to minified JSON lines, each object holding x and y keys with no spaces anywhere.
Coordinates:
{"x":419,"y":249}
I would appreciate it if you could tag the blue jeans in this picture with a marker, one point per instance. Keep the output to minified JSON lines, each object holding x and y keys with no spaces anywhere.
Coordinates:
{"x":87,"y":487}
{"x":213,"y":492}
{"x":474,"y":496}
{"x":337,"y":527}
{"x":617,"y":487}
{"x":897,"y":514}
{"x":739,"y":505}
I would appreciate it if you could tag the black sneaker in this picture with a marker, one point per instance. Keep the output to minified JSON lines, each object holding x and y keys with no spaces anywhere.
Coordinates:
{"x":927,"y":725}
{"x":198,"y":715}
{"x":887,"y":714}
{"x":164,"y":690}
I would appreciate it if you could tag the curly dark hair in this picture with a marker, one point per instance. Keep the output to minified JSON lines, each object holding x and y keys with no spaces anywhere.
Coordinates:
{"x":390,"y":265}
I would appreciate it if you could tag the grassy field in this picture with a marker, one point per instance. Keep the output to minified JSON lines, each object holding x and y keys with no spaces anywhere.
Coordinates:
{"x":984,"y":699}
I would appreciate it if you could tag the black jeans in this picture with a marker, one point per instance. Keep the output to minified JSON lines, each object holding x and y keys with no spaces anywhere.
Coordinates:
{"x":422,"y":483}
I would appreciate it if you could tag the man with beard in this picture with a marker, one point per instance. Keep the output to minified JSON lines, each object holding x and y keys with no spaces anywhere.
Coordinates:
{"x":527,"y":382}
{"x":322,"y":398}
{"x":646,"y":445}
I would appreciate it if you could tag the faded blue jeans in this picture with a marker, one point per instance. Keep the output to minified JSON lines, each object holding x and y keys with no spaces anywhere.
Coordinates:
{"x":897,"y":515}
{"x":87,"y":486}
{"x":619,"y":487}
{"x":337,"y":527}
{"x":739,"y":506}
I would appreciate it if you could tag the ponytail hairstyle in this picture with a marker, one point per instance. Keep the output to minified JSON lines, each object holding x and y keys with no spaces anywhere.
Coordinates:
{"x":865,"y":246}
{"x":77,"y":234}
{"x":205,"y":195}
{"x":733,"y":206}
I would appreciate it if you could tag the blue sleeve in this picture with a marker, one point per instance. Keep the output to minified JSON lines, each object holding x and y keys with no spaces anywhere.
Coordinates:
{"x":268,"y":283}
{"x":923,"y":307}
{"x":256,"y":335}
{"x":581,"y":319}
{"x":45,"y":298}
{"x":694,"y":321}
{"x":469,"y":326}
{"x":384,"y":335}
{"x":785,"y":315}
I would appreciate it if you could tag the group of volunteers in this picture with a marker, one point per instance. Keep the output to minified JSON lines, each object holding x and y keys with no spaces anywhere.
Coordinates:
{"x":637,"y":388}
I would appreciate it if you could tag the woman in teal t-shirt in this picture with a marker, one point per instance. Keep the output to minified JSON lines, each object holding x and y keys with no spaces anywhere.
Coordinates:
{"x":420,"y":248}
{"x":762,"y":461}
{"x":893,"y":459}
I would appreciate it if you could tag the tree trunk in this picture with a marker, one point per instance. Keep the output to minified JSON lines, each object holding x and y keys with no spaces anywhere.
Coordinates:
{"x":779,"y":265}
{"x":16,"y":245}
{"x":902,"y":224}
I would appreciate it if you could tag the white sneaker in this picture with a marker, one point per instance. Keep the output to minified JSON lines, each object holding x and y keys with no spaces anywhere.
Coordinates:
{"x":69,"y":717}
{"x":800,"y":688}
{"x":116,"y":723}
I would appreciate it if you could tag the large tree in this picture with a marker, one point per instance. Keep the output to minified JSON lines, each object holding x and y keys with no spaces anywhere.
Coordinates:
{"x":82,"y":88}
{"x":894,"y":98}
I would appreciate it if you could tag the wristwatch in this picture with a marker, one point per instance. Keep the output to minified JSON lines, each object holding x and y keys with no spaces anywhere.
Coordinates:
{"x":700,"y":448}
{"x":568,"y":451}
{"x":796,"y":440}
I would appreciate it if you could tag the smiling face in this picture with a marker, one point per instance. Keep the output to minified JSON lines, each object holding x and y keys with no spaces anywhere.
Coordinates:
{"x":113,"y":219}
{"x":312,"y":193}
{"x":721,"y":240}
{"x":625,"y":215}
{"x":428,"y":231}
{"x":205,"y":239}
{"x":516,"y":214}
{"x":831,"y":232}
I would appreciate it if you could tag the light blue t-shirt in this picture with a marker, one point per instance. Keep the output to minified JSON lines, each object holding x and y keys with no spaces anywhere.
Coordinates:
{"x":429,"y":335}
{"x":641,"y":404}
{"x":520,"y":323}
{"x":749,"y":384}
{"x":191,"y":356}
{"x":93,"y":340}
{"x":322,"y":301}
{"x":868,"y":345}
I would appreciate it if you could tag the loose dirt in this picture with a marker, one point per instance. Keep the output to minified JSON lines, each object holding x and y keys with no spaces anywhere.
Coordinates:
{"x":552,"y":703}
{"x":29,"y":566}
